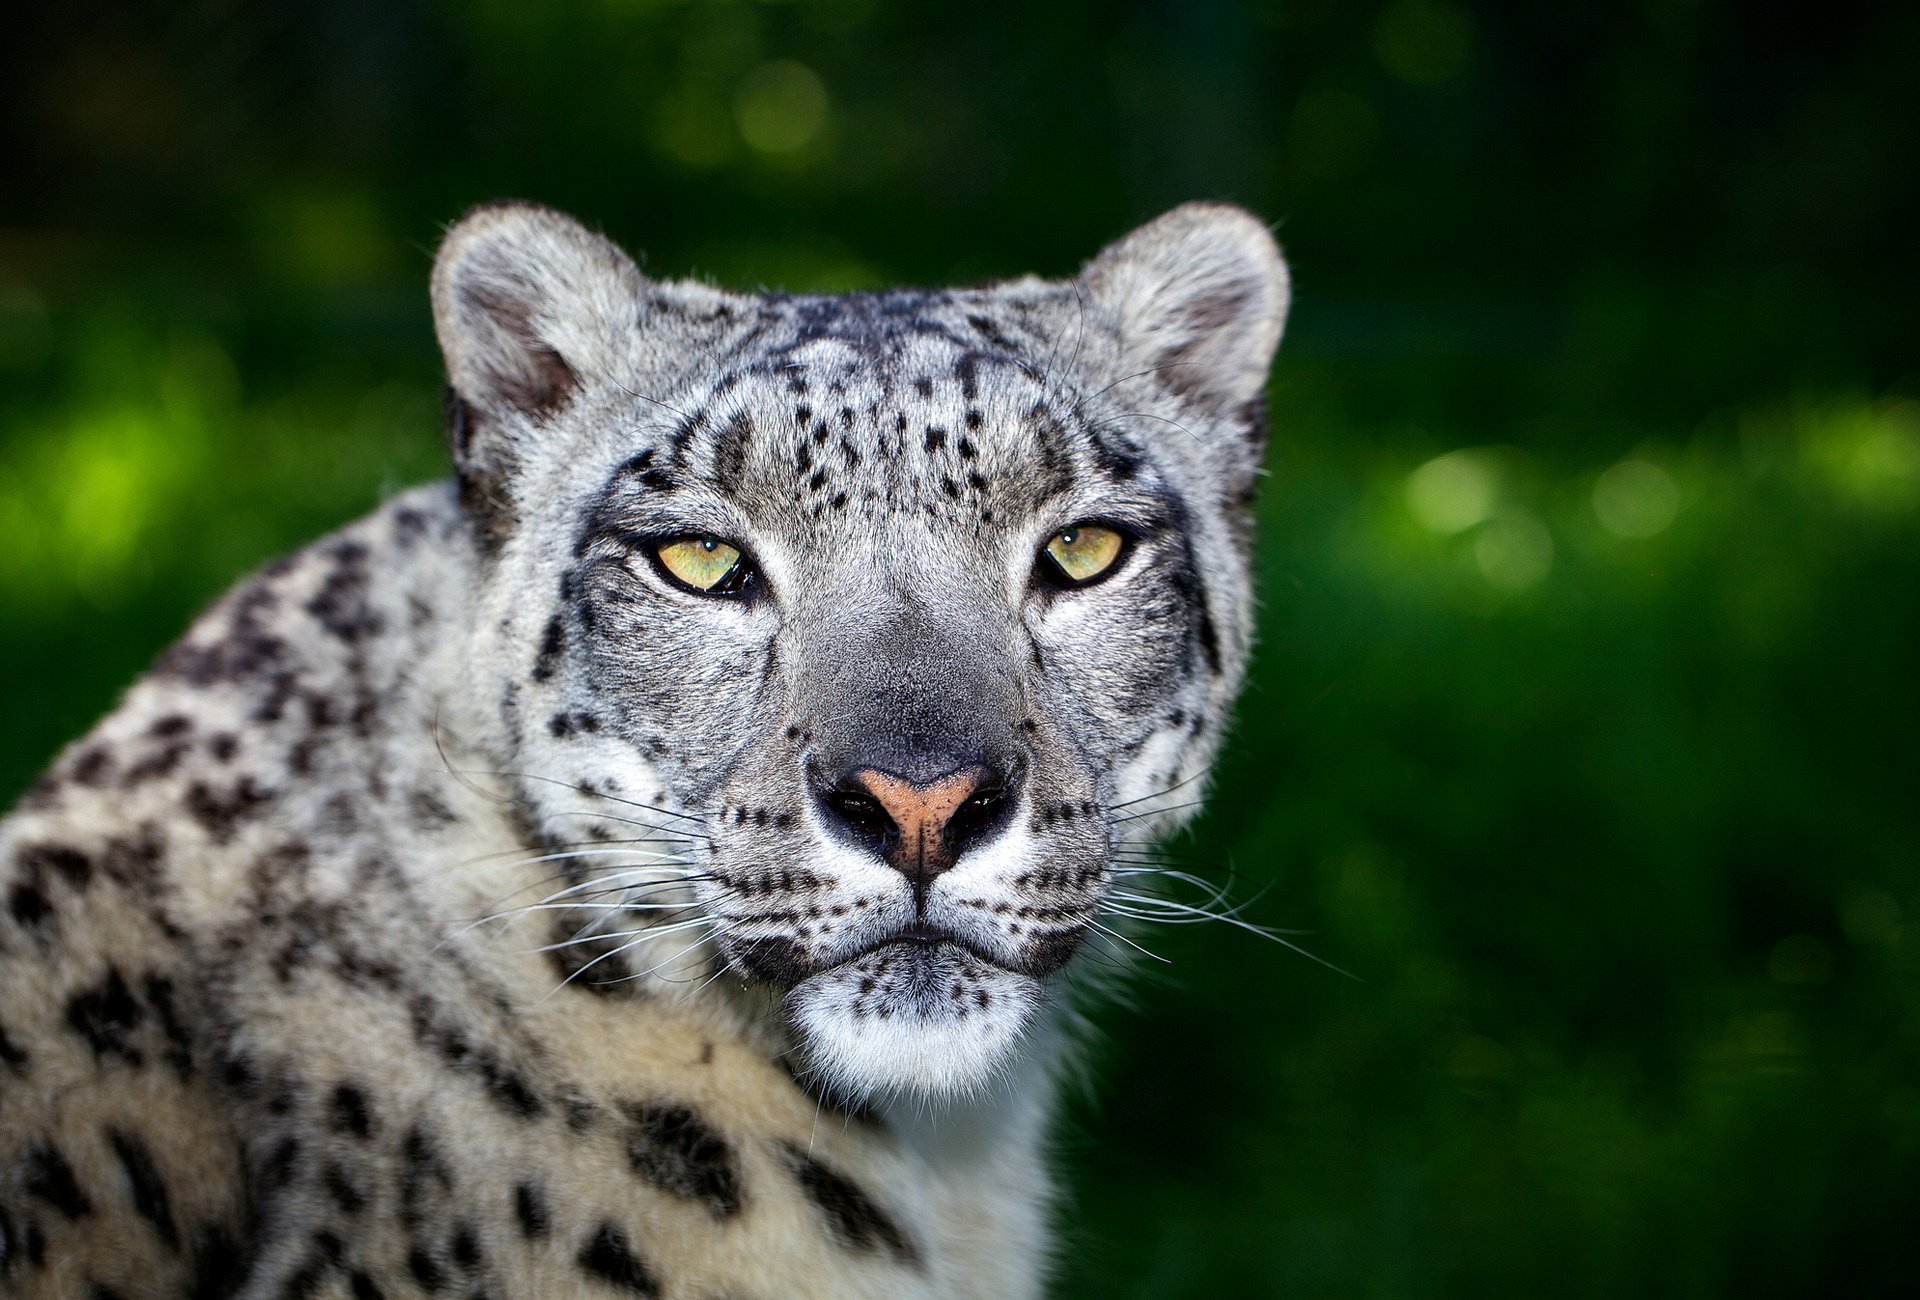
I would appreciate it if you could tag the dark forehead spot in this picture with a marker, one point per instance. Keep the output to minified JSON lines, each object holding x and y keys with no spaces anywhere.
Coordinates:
{"x":967,"y":371}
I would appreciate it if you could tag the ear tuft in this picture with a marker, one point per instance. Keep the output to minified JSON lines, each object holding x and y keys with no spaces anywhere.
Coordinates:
{"x":1201,"y":294}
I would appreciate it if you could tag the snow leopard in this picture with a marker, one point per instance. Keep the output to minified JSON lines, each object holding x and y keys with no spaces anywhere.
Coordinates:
{"x":667,"y":857}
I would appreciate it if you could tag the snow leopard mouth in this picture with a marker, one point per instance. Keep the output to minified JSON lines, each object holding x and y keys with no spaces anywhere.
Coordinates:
{"x":919,"y":948}
{"x":922,"y":934}
{"x":918,"y":944}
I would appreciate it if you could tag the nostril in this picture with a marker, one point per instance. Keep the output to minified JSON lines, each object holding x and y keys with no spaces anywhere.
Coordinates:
{"x":861,"y":812}
{"x":972,"y":820}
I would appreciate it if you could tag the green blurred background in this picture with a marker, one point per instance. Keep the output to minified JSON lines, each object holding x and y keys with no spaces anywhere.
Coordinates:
{"x":1583,"y":726}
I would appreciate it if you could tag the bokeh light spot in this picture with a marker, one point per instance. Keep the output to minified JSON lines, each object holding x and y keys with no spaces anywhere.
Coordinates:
{"x":1452,"y":493}
{"x":780,"y":107}
{"x":1636,"y":498}
{"x":1514,"y":550}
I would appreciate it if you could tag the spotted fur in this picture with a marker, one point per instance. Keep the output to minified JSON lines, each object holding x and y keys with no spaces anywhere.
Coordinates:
{"x":463,"y":907}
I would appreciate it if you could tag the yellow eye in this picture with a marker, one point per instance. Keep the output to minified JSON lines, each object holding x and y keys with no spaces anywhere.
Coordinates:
{"x":1084,"y":551}
{"x":704,"y":563}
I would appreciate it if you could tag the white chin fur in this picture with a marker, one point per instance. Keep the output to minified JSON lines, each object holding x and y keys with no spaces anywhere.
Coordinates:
{"x":934,"y":1022}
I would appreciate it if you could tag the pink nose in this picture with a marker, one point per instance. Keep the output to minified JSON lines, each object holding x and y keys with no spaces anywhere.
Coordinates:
{"x":922,"y":816}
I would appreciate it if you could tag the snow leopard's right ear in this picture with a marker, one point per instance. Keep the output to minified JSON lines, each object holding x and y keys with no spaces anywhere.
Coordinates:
{"x":1201,"y":294}
{"x":529,"y":305}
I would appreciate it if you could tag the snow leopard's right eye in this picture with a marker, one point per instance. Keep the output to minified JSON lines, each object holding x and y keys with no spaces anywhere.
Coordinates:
{"x":706,"y":565}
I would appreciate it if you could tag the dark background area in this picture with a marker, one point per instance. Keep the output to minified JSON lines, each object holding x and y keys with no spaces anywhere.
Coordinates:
{"x":1583,"y":726}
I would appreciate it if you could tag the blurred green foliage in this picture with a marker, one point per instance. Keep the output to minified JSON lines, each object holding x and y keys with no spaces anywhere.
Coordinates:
{"x":1583,"y":730}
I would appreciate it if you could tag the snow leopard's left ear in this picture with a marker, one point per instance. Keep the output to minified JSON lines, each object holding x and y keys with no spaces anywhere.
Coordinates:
{"x":1201,"y":295}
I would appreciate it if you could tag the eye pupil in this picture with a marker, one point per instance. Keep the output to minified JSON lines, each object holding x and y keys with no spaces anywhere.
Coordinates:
{"x":1068,"y":536}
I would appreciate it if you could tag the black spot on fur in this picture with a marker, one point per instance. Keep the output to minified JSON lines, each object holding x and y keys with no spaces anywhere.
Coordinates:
{"x":1112,"y":454}
{"x":552,"y":643}
{"x":283,"y":1162}
{"x":464,"y":1247}
{"x":222,"y":813}
{"x":240,"y":1075}
{"x":12,"y":1055}
{"x":304,"y":1282}
{"x":530,"y":1209}
{"x":778,"y":961}
{"x":28,"y":905}
{"x":160,"y":763}
{"x":144,"y":1182}
{"x":851,"y":1215}
{"x":364,"y":1287}
{"x":510,"y":1089}
{"x":423,"y":1176}
{"x":50,"y":1178}
{"x":425,"y":1269}
{"x":106,"y":1016}
{"x":92,"y":767}
{"x":40,"y":861}
{"x":673,"y":1149}
{"x":347,"y":1193}
{"x":218,"y":1264}
{"x":341,"y":605}
{"x":589,"y":967}
{"x":609,"y":1257}
{"x":730,"y":451}
{"x":349,"y":1113}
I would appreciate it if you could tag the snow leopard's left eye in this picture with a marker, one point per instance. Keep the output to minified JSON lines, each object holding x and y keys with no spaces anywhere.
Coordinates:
{"x":1082,"y":554}
{"x":706,"y":565}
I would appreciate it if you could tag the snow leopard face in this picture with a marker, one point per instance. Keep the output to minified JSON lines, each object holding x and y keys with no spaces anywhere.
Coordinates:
{"x":856,"y":633}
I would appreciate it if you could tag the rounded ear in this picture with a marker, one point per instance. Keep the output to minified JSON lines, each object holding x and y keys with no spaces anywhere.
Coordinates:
{"x":1201,"y":294}
{"x":528,"y":304}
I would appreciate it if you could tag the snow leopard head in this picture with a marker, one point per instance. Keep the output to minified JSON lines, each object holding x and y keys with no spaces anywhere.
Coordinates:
{"x":861,"y":631}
